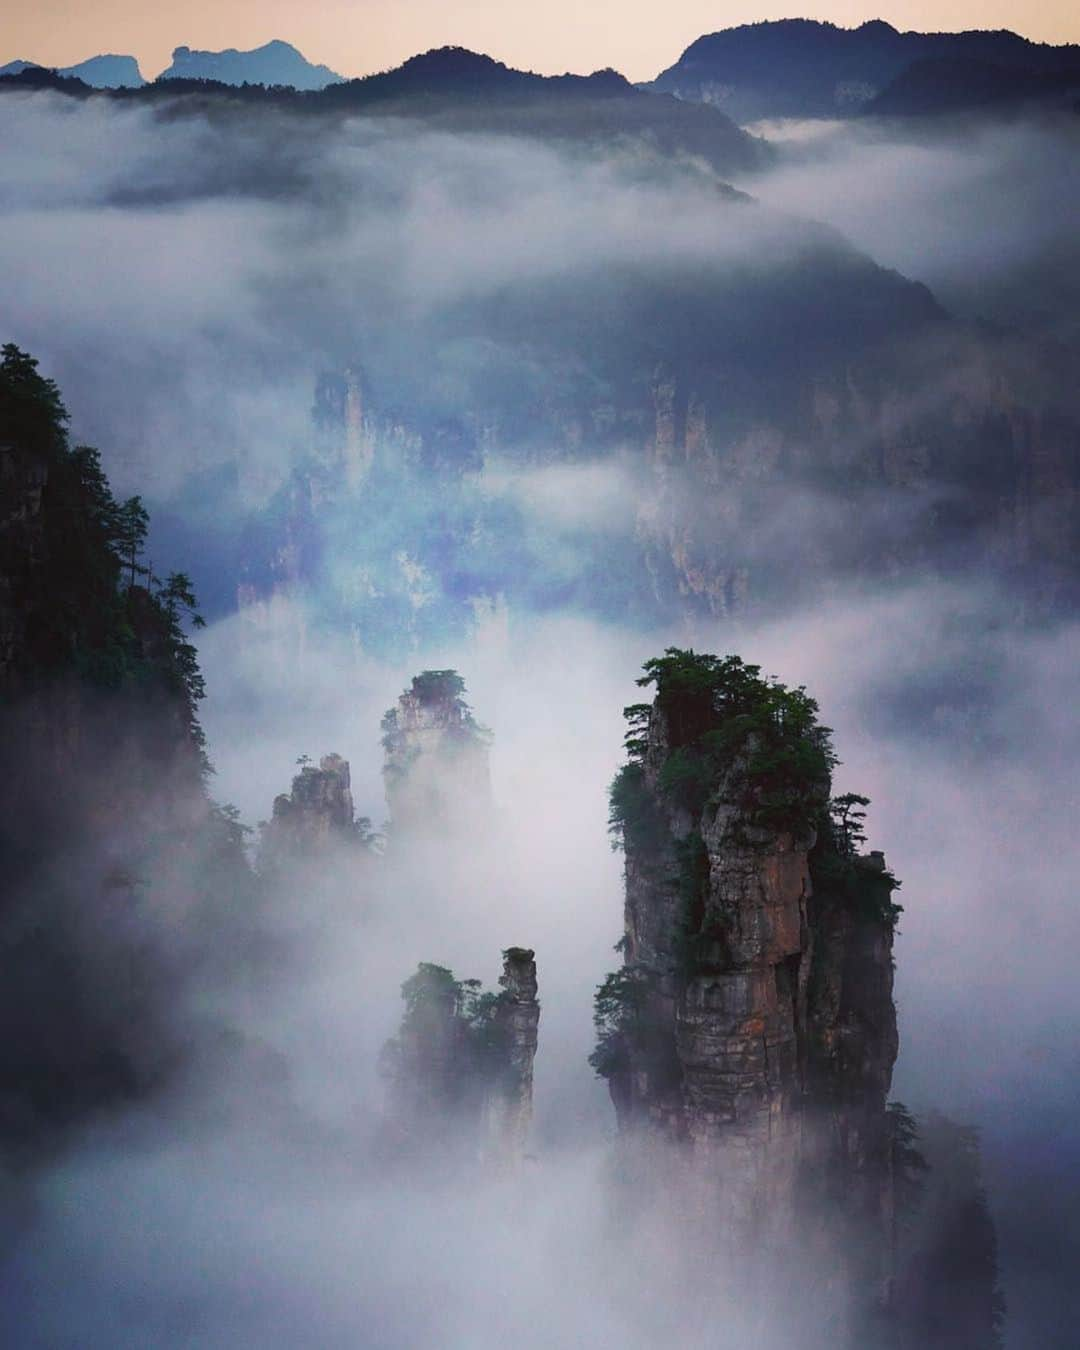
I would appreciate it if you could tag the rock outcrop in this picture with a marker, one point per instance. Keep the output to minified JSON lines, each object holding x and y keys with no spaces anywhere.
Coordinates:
{"x":752,"y":1026}
{"x":436,"y":770}
{"x":460,"y":1070}
{"x":517,"y":1021}
{"x":316,"y":815}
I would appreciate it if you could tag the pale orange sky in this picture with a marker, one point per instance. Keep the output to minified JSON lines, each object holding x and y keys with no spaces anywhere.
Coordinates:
{"x":355,"y":37}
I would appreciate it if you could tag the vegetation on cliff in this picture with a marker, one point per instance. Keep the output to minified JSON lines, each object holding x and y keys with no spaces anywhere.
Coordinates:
{"x":104,"y":818}
{"x":87,"y":606}
{"x":731,"y":740}
{"x":456,"y":1047}
{"x":433,"y":690}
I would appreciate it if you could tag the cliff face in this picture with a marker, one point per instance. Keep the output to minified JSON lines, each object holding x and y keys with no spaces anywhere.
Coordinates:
{"x":436,"y":769}
{"x":804,"y":454}
{"x":318,"y":810}
{"x":752,"y":1025}
{"x":105,"y":823}
{"x":875,"y":462}
{"x":517,"y":1021}
{"x":460,"y":1070}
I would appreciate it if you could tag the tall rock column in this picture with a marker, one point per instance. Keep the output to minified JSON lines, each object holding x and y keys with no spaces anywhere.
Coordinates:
{"x":436,"y":769}
{"x":752,"y":1024}
{"x":460,"y":1070}
{"x":517,"y":1019}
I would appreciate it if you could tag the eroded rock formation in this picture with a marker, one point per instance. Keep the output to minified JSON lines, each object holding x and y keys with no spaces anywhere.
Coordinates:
{"x":517,"y":1022}
{"x":459,"y":1072}
{"x":315,"y":816}
{"x":752,"y":1026}
{"x":436,"y":769}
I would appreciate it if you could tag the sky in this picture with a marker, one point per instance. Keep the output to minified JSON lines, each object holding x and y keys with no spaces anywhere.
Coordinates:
{"x":640,"y":39}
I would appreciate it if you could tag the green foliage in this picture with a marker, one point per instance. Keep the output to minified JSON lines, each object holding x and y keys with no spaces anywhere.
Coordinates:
{"x":735,"y":736}
{"x":433,"y":687}
{"x":721,"y":715}
{"x":366,"y":835}
{"x":432,"y":984}
{"x":438,"y":686}
{"x":847,"y":818}
{"x":863,"y":884}
{"x":619,"y":1009}
{"x":434,"y":995}
{"x":634,"y":822}
{"x":86,"y":615}
{"x":909,"y":1164}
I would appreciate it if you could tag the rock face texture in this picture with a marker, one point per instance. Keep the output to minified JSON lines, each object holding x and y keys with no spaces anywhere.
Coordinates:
{"x":315,"y":817}
{"x":436,"y":770}
{"x":460,"y":1070}
{"x":915,"y":508}
{"x":517,"y":1019}
{"x":319,"y":806}
{"x":752,"y":1026}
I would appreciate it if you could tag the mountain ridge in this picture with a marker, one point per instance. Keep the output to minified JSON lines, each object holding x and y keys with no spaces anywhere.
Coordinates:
{"x":274,"y":63}
{"x":106,"y":71}
{"x":809,"y":68}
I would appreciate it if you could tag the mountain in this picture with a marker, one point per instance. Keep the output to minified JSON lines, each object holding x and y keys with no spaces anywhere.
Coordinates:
{"x":751,"y":1025}
{"x":803,"y":68}
{"x":276,"y":63}
{"x":465,"y":91}
{"x":468,"y":91}
{"x":102,"y":780}
{"x":99,"y":72}
{"x":944,"y":86}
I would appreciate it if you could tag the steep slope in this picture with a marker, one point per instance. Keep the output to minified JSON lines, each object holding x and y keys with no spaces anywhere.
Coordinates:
{"x":436,"y":767}
{"x":950,"y":85}
{"x":104,"y":816}
{"x":804,"y":68}
{"x":455,"y":90}
{"x":751,"y":1028}
{"x":459,"y":1072}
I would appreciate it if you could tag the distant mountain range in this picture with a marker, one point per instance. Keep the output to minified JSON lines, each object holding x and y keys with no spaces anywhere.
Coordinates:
{"x":803,"y":68}
{"x":276,"y":63}
{"x":788,"y":68}
{"x":99,"y":72}
{"x":464,"y":91}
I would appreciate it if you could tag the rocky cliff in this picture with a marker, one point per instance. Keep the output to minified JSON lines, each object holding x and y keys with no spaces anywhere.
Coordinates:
{"x":317,"y":811}
{"x":436,"y":769}
{"x":752,"y":1026}
{"x":459,"y":1072}
{"x":105,"y":822}
{"x":517,"y":1021}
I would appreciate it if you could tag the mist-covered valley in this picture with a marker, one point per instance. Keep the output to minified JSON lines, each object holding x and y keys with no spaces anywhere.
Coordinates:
{"x":531,"y":391}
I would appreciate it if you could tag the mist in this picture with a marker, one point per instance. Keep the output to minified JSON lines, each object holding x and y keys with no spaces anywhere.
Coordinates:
{"x":979,"y":210}
{"x":187,"y":283}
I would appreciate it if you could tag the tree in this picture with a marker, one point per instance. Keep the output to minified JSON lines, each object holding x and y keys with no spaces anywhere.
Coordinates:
{"x":132,"y":524}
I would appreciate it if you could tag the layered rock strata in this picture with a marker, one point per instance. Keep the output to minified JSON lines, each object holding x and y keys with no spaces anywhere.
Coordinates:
{"x":517,"y":1019}
{"x":752,"y":1026}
